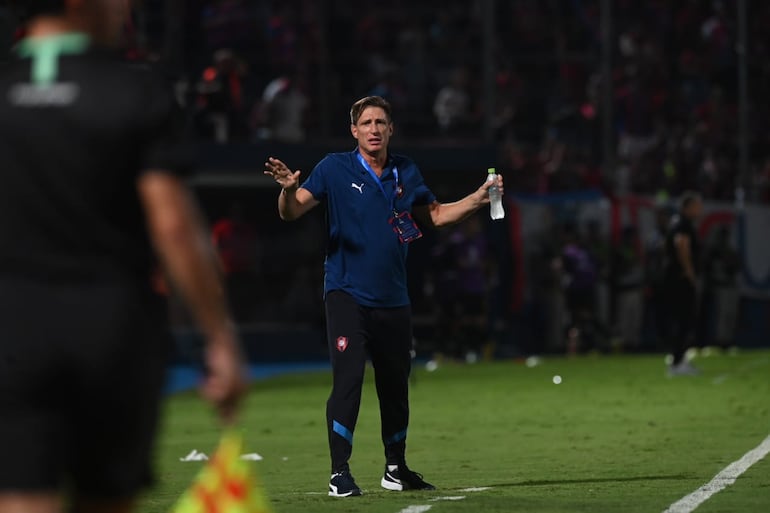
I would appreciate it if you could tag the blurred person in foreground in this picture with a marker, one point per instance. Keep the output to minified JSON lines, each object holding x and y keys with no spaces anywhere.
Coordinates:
{"x":681,"y":282}
{"x":91,"y":184}
{"x":370,"y":194}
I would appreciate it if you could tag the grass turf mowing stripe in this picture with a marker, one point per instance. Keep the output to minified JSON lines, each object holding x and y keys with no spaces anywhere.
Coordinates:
{"x":720,"y":481}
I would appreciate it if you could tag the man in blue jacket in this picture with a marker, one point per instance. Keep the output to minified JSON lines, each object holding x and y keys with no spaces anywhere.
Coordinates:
{"x":371,"y":196}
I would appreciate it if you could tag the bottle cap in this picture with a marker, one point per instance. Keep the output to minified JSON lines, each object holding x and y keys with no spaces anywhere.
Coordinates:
{"x":491,"y":170}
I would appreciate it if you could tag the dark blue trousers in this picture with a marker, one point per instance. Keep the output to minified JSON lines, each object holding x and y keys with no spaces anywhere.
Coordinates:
{"x":384,"y":335}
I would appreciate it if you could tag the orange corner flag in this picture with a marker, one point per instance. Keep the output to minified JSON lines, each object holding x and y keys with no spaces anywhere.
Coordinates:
{"x":226,"y":483}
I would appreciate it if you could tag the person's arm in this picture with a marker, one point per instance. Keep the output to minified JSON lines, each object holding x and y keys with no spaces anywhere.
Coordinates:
{"x":293,"y":201}
{"x":176,"y":229}
{"x":444,"y":214}
{"x":684,"y":254}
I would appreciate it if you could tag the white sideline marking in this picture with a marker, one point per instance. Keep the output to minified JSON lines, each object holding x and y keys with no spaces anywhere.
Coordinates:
{"x":451,"y":498}
{"x":476,"y":489}
{"x":415,"y":509}
{"x":720,"y":481}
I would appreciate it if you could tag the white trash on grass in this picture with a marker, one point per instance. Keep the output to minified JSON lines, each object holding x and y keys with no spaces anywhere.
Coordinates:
{"x":196,"y":455}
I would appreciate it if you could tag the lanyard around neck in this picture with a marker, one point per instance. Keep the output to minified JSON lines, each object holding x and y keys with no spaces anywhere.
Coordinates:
{"x":378,"y":181}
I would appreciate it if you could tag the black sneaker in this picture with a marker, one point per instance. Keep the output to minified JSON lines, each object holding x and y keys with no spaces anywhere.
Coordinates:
{"x":342,"y":484}
{"x":404,"y":479}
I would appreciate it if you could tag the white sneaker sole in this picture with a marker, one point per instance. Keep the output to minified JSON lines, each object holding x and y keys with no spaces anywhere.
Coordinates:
{"x":334,"y":493}
{"x":392,"y":486}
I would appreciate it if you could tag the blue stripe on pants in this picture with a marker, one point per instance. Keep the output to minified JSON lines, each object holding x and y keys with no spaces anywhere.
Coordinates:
{"x":401,"y":435}
{"x":343,"y":432}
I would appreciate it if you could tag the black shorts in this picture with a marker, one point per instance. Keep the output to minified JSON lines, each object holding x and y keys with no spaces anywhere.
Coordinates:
{"x":81,"y":378}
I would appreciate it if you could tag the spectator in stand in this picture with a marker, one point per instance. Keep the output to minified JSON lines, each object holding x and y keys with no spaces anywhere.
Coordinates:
{"x":627,"y":285}
{"x":636,"y":111}
{"x":597,"y":243}
{"x":462,"y":270}
{"x":580,"y":291}
{"x":281,"y":114}
{"x":236,"y":242}
{"x":721,"y":295}
{"x":221,"y":106}
{"x":452,"y":107}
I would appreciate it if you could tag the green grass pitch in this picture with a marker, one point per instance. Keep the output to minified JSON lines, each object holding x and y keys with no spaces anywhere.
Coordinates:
{"x":616,"y":435}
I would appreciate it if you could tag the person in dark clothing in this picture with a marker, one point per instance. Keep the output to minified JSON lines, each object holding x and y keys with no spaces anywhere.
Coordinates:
{"x":580,"y":293}
{"x":93,"y":201}
{"x":462,"y":270}
{"x":681,"y":285}
{"x":627,"y":285}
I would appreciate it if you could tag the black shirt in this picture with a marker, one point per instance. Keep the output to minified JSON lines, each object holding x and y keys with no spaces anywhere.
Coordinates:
{"x":680,"y":225}
{"x":77,"y":129}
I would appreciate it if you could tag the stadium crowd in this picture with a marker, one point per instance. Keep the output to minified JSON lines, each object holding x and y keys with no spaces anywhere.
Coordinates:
{"x":271,"y":70}
{"x":251,"y":70}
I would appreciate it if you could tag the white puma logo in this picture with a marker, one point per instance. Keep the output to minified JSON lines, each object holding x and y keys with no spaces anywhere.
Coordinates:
{"x":359,"y":187}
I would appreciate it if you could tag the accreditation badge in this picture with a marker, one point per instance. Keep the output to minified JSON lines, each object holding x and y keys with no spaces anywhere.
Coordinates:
{"x":405,"y":227}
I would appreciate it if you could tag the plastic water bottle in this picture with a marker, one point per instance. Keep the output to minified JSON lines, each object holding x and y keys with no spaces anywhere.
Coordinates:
{"x":495,"y":198}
